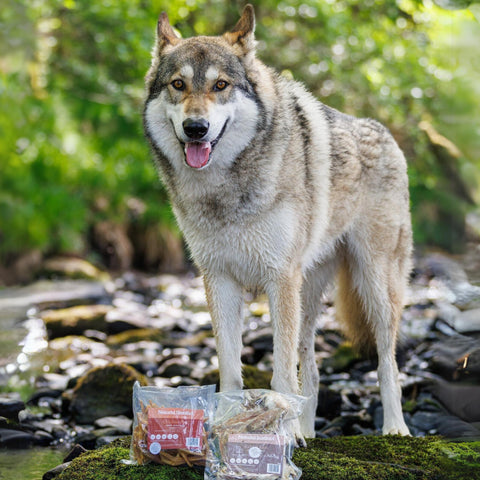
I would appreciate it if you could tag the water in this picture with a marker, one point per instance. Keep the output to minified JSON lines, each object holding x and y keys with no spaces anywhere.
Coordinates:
{"x":28,"y":464}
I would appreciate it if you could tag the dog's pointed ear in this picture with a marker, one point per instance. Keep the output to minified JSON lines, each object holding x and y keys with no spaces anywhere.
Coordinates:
{"x":243,"y":32}
{"x":165,"y":33}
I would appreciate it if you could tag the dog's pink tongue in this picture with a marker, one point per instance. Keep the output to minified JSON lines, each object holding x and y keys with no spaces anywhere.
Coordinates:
{"x":197,"y":154}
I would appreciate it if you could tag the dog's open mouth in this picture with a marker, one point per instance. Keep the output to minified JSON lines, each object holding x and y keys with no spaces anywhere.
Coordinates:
{"x":197,"y":154}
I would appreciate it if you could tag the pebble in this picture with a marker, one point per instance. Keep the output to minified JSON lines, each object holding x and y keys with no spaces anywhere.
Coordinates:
{"x":11,"y":405}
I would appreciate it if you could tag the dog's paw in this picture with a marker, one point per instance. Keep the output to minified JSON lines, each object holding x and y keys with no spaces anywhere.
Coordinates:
{"x":300,"y":442}
{"x":396,"y":430}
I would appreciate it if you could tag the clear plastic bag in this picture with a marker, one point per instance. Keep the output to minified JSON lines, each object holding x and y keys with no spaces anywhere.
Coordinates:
{"x":251,"y":436}
{"x":170,"y":424}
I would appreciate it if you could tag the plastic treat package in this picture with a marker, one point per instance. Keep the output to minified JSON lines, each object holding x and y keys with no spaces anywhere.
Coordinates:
{"x":251,"y":436}
{"x":170,"y":424}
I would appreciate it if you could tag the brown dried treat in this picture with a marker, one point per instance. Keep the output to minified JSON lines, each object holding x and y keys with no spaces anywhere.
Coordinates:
{"x":173,"y":457}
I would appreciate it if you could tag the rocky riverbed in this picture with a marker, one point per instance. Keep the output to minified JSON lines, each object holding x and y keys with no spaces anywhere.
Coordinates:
{"x":71,"y":350}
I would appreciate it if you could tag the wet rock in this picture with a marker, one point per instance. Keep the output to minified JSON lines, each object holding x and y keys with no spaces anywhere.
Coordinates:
{"x":36,"y":397}
{"x":137,"y":335}
{"x":55,"y":472}
{"x":329,"y":403}
{"x":75,"y":452}
{"x":461,"y":400}
{"x":426,"y":421}
{"x":175,"y":367}
{"x":10,"y":438}
{"x":104,"y":391}
{"x":119,"y":320}
{"x":75,"y":320}
{"x":261,"y":341}
{"x":43,"y":439}
{"x":72,"y":268}
{"x":450,"y":426}
{"x":106,"y":440}
{"x":53,"y":426}
{"x":451,"y":273}
{"x":48,"y":294}
{"x":120,"y":423}
{"x":456,"y":357}
{"x":52,"y":381}
{"x":11,"y":405}
{"x":468,"y":321}
{"x":72,"y":345}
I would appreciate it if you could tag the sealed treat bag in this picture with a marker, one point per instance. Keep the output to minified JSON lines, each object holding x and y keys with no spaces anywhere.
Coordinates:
{"x":251,"y":436}
{"x":170,"y":424}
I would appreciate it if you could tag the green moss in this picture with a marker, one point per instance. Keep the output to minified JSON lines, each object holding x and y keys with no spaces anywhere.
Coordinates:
{"x":107,"y":464}
{"x":390,"y":457}
{"x":340,"y":458}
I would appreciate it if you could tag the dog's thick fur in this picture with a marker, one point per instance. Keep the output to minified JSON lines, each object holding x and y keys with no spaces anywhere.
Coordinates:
{"x":276,"y":192}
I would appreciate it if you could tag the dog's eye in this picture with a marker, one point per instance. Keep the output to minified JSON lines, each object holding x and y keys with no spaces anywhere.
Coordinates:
{"x":220,"y":85}
{"x":178,"y":84}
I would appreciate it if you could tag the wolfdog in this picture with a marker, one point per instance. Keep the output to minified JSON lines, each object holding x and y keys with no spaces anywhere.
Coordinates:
{"x":278,"y":193}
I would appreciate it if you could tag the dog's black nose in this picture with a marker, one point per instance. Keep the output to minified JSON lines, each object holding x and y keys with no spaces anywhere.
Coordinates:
{"x":195,"y":128}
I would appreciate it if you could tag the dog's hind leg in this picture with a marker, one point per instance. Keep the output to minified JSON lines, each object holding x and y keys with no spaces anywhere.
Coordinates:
{"x":316,"y":280}
{"x":225,"y":301}
{"x":370,"y":304}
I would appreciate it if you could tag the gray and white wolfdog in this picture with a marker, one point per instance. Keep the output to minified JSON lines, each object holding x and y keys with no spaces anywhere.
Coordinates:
{"x":278,"y":193}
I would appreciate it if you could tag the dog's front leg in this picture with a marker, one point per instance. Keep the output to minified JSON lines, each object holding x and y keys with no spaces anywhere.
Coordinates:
{"x":225,"y":301}
{"x":284,"y":297}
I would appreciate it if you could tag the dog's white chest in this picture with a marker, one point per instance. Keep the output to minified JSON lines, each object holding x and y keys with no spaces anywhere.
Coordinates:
{"x":250,"y":251}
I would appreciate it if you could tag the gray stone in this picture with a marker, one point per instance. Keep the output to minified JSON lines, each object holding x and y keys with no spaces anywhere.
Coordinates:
{"x":10,"y":406}
{"x":462,"y":401}
{"x":467,"y":321}
{"x":75,"y":320}
{"x":46,"y":294}
{"x":121,"y":423}
{"x":455,"y":357}
{"x":15,"y":438}
{"x":55,"y":472}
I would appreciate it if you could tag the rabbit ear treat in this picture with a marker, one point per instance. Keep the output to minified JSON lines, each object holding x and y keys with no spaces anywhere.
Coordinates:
{"x":252,"y":436}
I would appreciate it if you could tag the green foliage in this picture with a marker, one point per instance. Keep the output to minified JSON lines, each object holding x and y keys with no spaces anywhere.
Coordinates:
{"x":71,"y":85}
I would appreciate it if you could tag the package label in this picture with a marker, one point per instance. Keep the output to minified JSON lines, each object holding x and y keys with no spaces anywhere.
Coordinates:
{"x":256,"y":453}
{"x":175,"y":428}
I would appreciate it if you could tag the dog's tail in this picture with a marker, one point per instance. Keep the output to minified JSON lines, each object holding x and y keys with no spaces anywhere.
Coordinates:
{"x":351,"y":314}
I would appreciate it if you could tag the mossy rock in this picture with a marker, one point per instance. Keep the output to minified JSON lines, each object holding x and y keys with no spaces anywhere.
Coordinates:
{"x":252,"y":378}
{"x":75,"y":320}
{"x":340,"y":458}
{"x":136,"y":335}
{"x":73,"y":268}
{"x":342,"y":359}
{"x":388,"y":457}
{"x":104,"y":391}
